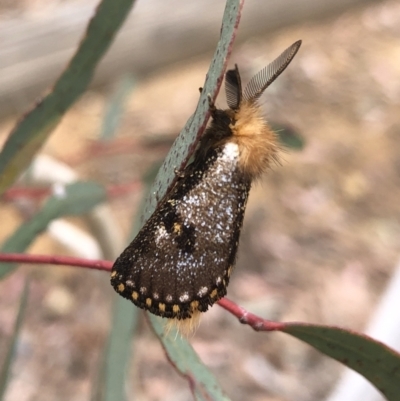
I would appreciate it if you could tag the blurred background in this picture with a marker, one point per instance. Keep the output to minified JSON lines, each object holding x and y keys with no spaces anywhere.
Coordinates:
{"x":321,"y":234}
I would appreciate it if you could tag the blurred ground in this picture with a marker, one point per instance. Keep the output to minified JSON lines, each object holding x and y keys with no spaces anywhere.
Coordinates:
{"x":321,"y":231}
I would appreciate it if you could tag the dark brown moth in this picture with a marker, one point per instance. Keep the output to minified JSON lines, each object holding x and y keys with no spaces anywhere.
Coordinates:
{"x":181,"y":261}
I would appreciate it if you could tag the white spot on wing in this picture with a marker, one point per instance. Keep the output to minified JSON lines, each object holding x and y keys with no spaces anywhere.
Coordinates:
{"x":202,"y":291}
{"x":161,"y":234}
{"x":184,"y":297}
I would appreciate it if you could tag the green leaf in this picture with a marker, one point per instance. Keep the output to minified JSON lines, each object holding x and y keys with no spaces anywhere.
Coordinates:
{"x":372,"y":359}
{"x":118,"y":352}
{"x":185,"y":360}
{"x":186,"y":142}
{"x":74,"y":199}
{"x":113,"y":370}
{"x":6,"y":368}
{"x":33,"y":130}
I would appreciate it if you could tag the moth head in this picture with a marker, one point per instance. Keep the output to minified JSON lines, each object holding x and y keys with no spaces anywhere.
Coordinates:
{"x":257,"y":85}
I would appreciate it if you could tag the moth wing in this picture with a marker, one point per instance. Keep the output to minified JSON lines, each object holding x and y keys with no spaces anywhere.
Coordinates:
{"x":181,"y":260}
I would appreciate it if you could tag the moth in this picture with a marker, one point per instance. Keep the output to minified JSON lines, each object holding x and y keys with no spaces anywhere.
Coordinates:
{"x":181,"y":261}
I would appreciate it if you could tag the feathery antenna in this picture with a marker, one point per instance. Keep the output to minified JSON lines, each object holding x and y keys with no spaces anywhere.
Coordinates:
{"x":267,"y":75}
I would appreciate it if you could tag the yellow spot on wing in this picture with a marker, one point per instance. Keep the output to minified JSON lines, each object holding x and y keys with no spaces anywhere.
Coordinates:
{"x":148,"y":302}
{"x":194,"y":305}
{"x":175,"y":308}
{"x":135,"y":295}
{"x":161,"y":306}
{"x":113,"y":274}
{"x":121,"y":287}
{"x":214,"y":293}
{"x":177,"y":228}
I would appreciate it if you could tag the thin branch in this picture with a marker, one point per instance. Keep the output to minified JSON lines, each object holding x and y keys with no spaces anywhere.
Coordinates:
{"x":245,"y":317}
{"x":55,"y":260}
{"x":25,"y":192}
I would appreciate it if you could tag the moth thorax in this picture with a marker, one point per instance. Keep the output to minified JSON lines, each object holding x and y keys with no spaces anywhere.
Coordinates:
{"x":258,"y":146}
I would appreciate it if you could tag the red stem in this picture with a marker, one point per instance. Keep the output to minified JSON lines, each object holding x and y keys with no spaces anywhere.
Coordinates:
{"x":56,"y":260}
{"x":244,"y":317}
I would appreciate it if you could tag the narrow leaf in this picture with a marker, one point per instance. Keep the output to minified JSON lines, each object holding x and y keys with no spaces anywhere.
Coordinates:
{"x":33,"y":130}
{"x":6,"y":368}
{"x":118,"y":353}
{"x":188,"y":138}
{"x":372,"y":359}
{"x":115,"y":365}
{"x":185,"y":360}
